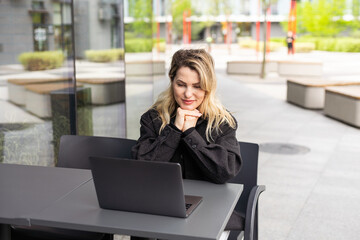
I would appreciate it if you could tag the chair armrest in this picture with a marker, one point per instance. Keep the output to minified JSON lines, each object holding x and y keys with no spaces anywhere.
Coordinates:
{"x":251,"y":211}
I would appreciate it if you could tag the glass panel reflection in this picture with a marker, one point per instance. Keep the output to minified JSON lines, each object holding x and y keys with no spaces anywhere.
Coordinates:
{"x":36,"y":63}
{"x":144,"y":55}
{"x":100,"y":67}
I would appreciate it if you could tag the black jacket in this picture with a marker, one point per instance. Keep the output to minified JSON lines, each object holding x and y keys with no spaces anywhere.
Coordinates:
{"x":217,"y":161}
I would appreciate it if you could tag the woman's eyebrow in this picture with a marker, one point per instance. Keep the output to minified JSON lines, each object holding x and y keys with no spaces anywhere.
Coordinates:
{"x":179,"y":80}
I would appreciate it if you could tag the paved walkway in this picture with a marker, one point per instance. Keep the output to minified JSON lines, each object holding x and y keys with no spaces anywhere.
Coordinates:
{"x":311,"y":195}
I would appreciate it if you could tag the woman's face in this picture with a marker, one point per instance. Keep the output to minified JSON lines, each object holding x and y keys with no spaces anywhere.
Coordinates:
{"x":187,"y":91}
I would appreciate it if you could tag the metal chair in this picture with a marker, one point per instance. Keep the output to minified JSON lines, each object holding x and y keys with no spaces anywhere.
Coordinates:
{"x":248,"y":202}
{"x":74,"y":152}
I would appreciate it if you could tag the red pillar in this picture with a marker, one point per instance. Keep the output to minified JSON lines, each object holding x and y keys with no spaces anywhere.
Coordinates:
{"x":258,"y":28}
{"x":184,"y":27}
{"x":268,"y":29}
{"x":228,"y":35}
{"x":189,"y":26}
{"x":158,"y":26}
{"x":168,"y":34}
{"x":292,"y":20}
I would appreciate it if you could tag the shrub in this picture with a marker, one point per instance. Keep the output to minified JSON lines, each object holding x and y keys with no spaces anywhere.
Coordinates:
{"x":161,"y":47}
{"x":347,"y":45}
{"x":333,"y":44}
{"x":107,"y":55}
{"x":37,"y":61}
{"x":134,"y":45}
{"x":249,"y":43}
{"x":304,"y":47}
{"x":274,"y":46}
{"x":327,"y":44}
{"x":281,"y":40}
{"x":355,"y":34}
{"x":138,"y":45}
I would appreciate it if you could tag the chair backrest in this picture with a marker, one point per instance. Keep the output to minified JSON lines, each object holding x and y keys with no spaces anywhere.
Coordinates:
{"x":248,"y":173}
{"x":74,"y":150}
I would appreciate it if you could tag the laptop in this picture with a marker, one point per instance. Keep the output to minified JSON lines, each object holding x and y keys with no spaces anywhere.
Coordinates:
{"x":141,"y":186}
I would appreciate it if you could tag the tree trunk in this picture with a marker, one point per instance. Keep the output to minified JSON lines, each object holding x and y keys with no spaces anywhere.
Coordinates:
{"x":262,"y":74}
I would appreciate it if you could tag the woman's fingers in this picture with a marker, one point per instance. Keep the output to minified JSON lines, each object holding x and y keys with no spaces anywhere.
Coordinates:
{"x":190,"y":121}
{"x":197,"y":115}
{"x":194,"y":113}
{"x":186,"y":119}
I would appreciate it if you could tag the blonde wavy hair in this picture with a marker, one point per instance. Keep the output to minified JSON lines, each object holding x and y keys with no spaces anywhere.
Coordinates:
{"x":211,"y":108}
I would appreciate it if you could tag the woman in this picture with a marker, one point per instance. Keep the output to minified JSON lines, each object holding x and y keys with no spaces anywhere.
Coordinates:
{"x":188,"y":125}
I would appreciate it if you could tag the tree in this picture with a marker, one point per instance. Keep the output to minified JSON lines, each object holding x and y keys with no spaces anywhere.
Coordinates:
{"x":266,"y":5}
{"x":355,"y":25}
{"x":216,"y":8}
{"x":321,"y":17}
{"x":177,"y":9}
{"x":142,"y":12}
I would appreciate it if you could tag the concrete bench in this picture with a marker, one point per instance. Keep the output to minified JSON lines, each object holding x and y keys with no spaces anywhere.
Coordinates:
{"x":343,"y":103}
{"x":310,"y":93}
{"x":16,"y":87}
{"x":141,"y":68}
{"x":37,"y":97}
{"x":250,"y":67}
{"x":105,"y":90}
{"x":300,"y":68}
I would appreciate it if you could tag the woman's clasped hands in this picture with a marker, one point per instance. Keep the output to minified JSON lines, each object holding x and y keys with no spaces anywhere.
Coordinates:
{"x":186,"y":119}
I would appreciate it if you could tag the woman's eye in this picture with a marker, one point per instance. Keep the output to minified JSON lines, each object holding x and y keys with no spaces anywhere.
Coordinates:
{"x":197,"y":86}
{"x":181,"y":85}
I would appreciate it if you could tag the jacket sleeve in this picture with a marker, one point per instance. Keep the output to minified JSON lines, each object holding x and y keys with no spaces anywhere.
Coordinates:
{"x":152,"y":145}
{"x":219,"y":161}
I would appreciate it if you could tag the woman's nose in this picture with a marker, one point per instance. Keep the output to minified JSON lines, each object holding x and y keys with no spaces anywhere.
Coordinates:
{"x":188,"y":93}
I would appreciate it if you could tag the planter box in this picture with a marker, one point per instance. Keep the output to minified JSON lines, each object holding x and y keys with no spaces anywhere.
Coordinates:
{"x":141,"y":68}
{"x":300,"y":68}
{"x":250,"y":67}
{"x":105,"y":90}
{"x":38,"y":100}
{"x":310,"y":93}
{"x":343,"y":103}
{"x":16,"y":87}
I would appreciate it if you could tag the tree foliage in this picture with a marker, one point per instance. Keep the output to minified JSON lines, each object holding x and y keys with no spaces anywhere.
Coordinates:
{"x":177,"y":9}
{"x":213,"y":8}
{"x":355,"y":24}
{"x":321,"y":17}
{"x":265,"y":5}
{"x":142,"y":12}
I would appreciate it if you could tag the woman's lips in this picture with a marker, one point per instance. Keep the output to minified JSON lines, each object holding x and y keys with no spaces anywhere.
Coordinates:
{"x":188,"y":102}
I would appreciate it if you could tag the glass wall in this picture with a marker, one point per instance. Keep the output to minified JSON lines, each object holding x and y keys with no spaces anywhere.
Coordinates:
{"x":100,"y":69}
{"x":144,"y":59}
{"x":61,"y":72}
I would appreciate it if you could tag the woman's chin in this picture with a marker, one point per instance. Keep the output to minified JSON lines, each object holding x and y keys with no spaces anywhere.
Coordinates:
{"x":186,"y":107}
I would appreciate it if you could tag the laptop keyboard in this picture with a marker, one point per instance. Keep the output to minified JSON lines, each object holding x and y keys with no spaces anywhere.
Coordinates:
{"x":188,"y":205}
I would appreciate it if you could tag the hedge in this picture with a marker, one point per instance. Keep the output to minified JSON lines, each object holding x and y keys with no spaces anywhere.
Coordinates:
{"x":249,"y":43}
{"x":133,"y":45}
{"x":138,"y":45}
{"x":36,"y":61}
{"x":304,"y":47}
{"x":344,"y":44}
{"x":307,"y":44}
{"x":105,"y":55}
